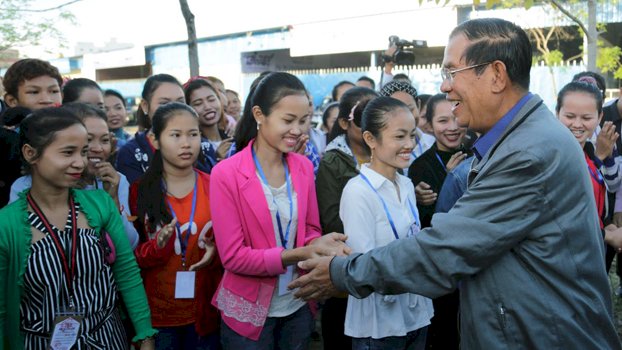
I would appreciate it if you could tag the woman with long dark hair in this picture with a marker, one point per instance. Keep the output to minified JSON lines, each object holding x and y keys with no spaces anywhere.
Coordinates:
{"x":266,"y":221}
{"x":176,"y":254}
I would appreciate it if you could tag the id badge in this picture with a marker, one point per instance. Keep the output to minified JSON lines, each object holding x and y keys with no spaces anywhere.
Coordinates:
{"x":66,"y":329}
{"x":286,"y":279}
{"x":413,"y":230}
{"x":184,"y":284}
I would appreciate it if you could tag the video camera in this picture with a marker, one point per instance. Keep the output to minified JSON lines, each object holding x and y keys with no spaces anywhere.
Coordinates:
{"x":404,"y":55}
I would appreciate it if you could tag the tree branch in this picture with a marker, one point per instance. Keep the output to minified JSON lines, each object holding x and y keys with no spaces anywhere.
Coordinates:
{"x":570,"y":15}
{"x":51,"y":8}
{"x":575,"y":57}
{"x":550,"y":33}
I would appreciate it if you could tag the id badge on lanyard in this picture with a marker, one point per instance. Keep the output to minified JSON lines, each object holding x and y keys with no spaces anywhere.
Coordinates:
{"x":185,"y":280}
{"x":66,"y":328}
{"x":286,"y":278}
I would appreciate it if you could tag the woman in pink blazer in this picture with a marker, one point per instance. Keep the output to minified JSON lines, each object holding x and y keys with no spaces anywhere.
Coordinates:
{"x":266,"y":219}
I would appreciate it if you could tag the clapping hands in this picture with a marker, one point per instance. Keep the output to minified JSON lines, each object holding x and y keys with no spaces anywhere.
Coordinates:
{"x":606,"y":140}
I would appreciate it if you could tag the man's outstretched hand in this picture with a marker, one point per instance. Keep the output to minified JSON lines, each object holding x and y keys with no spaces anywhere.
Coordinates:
{"x":316,"y":284}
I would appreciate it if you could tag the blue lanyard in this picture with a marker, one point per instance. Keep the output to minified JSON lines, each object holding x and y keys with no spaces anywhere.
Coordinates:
{"x":356,"y":162}
{"x":414,"y":212}
{"x":386,"y":209}
{"x":183,"y":241}
{"x":440,"y":161}
{"x":596,"y":176}
{"x":420,"y":148}
{"x":284,"y":238}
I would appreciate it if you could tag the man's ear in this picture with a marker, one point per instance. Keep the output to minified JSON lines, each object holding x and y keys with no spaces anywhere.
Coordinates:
{"x":11,"y":100}
{"x":501,"y":79}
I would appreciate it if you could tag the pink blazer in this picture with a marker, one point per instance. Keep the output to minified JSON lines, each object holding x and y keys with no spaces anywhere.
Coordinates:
{"x":245,"y":237}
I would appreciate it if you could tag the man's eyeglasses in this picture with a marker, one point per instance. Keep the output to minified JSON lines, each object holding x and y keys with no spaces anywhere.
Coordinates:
{"x":446,"y":73}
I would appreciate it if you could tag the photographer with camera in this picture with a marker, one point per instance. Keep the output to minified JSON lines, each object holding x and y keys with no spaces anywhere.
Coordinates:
{"x":400,"y":52}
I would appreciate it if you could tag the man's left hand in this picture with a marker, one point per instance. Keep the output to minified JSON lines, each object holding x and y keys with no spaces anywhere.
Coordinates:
{"x":316,"y":284}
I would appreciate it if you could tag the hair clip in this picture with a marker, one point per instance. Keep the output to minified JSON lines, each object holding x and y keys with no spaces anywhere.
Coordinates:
{"x":351,"y":115}
{"x":196,"y":77}
{"x":588,"y":80}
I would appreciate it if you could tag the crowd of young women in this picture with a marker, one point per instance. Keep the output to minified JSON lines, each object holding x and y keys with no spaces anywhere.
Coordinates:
{"x":187,"y":235}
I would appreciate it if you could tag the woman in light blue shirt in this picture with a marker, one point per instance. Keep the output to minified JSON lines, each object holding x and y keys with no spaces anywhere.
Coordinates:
{"x":377,"y":207}
{"x":99,"y":173}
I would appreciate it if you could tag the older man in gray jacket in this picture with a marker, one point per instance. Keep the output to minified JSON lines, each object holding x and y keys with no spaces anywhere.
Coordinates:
{"x":523,"y":244}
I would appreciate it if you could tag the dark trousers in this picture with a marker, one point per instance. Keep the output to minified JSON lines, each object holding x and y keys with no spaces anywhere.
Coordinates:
{"x":414,"y":340}
{"x":291,"y":332}
{"x":611,"y":253}
{"x":444,"y":332}
{"x":333,"y":320}
{"x":185,"y":337}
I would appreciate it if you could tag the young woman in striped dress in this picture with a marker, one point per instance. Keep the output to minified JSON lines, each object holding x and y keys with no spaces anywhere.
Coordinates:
{"x":59,"y":282}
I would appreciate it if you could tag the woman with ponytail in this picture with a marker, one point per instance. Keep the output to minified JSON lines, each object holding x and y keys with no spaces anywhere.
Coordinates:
{"x":60,"y":280}
{"x":579,"y":108}
{"x":266,"y":221}
{"x":377,"y":208}
{"x":345,"y":154}
{"x":176,"y":254}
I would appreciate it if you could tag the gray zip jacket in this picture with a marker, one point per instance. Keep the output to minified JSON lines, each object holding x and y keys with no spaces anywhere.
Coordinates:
{"x":523,"y":245}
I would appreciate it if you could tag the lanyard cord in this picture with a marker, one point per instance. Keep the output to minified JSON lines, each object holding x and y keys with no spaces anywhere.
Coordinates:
{"x":596,"y":176}
{"x":69,"y":267}
{"x":284,"y":237}
{"x":441,"y":161}
{"x":386,"y":208}
{"x":183,"y":241}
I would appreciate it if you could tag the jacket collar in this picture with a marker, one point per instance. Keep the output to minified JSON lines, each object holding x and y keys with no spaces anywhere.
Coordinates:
{"x":340,"y":144}
{"x":247,"y":164}
{"x":255,"y":197}
{"x":528,"y":108}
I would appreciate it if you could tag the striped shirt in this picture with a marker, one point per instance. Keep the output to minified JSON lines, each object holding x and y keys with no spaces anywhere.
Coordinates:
{"x":46,"y":293}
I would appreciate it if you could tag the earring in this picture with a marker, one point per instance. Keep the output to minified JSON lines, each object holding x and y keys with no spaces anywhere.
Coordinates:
{"x":371,"y":156}
{"x":258,"y":123}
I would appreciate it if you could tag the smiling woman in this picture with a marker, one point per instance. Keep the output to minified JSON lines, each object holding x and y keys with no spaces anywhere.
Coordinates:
{"x":428,"y":173}
{"x":53,"y":224}
{"x":391,"y":322}
{"x":99,"y":173}
{"x":205,"y":99}
{"x":267,"y":220}
{"x":579,"y":108}
{"x":115,"y":107}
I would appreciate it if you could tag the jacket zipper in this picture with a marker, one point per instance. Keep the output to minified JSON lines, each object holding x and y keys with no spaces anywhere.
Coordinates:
{"x":502,"y":315}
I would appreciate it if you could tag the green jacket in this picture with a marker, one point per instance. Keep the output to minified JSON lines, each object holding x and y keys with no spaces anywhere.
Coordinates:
{"x":15,"y":240}
{"x":336,"y":169}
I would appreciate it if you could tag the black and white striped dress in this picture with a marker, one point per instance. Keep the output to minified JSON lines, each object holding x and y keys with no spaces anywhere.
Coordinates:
{"x":94,"y":291}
